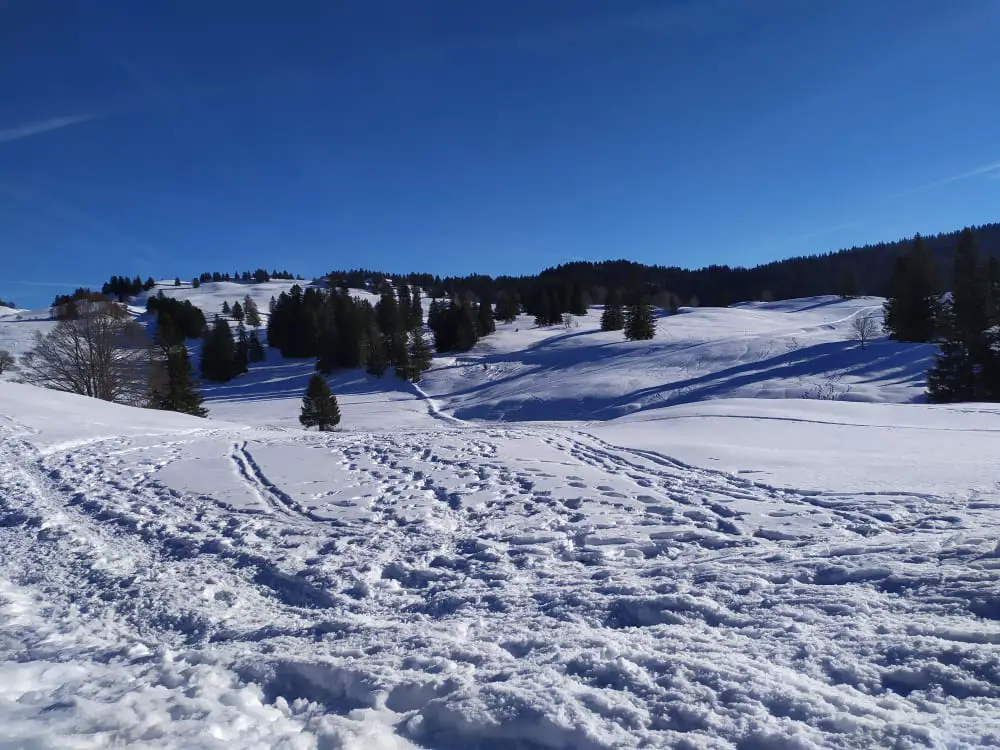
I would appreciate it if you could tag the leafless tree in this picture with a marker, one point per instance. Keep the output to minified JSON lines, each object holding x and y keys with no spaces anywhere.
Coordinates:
{"x":864,"y":328}
{"x":103,"y":353}
{"x":7,"y":361}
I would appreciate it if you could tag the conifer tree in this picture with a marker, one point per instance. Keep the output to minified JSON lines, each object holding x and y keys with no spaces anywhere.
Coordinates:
{"x":218,"y":353}
{"x":911,"y":309}
{"x":613,"y":317}
{"x":964,"y":368}
{"x":319,"y":405}
{"x":255,"y":349}
{"x":251,"y":312}
{"x":486,"y":323}
{"x":416,"y":320}
{"x":242,"y":350}
{"x":173,"y":386}
{"x":577,"y":300}
{"x":543,"y":313}
{"x":237,"y":312}
{"x":639,"y":321}
{"x":377,"y":361}
{"x":226,"y":310}
{"x":420,"y":356}
{"x":508,"y":306}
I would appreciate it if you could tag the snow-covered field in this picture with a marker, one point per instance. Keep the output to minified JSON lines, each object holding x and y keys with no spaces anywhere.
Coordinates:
{"x":706,"y":570}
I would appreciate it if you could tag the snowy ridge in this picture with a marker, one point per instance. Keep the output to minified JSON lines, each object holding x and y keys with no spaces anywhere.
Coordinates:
{"x":172,"y":582}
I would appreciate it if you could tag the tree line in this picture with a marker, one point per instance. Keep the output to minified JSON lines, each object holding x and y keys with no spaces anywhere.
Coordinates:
{"x":965,"y":321}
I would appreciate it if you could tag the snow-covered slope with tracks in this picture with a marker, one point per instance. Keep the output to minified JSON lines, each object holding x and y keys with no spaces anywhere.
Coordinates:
{"x":173,"y":582}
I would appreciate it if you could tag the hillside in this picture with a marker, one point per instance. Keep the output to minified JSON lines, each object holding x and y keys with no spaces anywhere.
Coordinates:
{"x":173,"y":582}
{"x":743,"y":533}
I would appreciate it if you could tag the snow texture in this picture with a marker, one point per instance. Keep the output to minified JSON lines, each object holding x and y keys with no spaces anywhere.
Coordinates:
{"x":703,"y":571}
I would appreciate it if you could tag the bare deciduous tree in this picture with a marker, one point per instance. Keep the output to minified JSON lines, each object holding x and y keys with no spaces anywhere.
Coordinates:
{"x":103,"y":354}
{"x":864,"y":328}
{"x":7,"y":361}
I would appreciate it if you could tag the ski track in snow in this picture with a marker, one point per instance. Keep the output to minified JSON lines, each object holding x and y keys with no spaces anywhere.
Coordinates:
{"x":480,"y":587}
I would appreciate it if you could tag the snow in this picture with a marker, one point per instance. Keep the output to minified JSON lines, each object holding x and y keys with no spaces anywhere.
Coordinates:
{"x":694,"y":560}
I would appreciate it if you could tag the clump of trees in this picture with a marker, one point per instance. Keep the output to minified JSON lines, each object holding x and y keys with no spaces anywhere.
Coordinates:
{"x":188,"y":318}
{"x":260,"y":276}
{"x":319,"y":406}
{"x":965,"y":321}
{"x":7,"y":303}
{"x":344,"y":332}
{"x":7,"y":361}
{"x":123,"y":286}
{"x":101,"y":352}
{"x":968,"y":367}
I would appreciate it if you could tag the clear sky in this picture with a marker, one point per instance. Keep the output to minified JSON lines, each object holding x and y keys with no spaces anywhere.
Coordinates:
{"x":163,"y":137}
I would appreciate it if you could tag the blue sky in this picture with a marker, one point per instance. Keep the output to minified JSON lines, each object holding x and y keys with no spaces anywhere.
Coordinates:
{"x":162,"y":138}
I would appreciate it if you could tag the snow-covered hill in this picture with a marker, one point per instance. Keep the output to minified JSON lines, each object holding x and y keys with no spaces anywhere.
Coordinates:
{"x":671,"y":565}
{"x":173,"y":582}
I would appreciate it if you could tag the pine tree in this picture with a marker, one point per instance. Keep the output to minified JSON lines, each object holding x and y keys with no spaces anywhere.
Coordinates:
{"x":173,"y":386}
{"x":242,"y":350}
{"x":319,"y":405}
{"x":964,"y":369}
{"x":416,"y":311}
{"x":508,"y":306}
{"x":195,"y":282}
{"x":271,"y":305}
{"x":420,"y":355}
{"x":911,"y":309}
{"x":226,"y":309}
{"x":639,"y":321}
{"x":577,"y":300}
{"x":543,"y":313}
{"x":401,"y":356}
{"x":377,"y":361}
{"x":237,"y":311}
{"x":251,"y":312}
{"x":255,"y":350}
{"x":218,"y":353}
{"x":613,"y":317}
{"x":485,"y":321}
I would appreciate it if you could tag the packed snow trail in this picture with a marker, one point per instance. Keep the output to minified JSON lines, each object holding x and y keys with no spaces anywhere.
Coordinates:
{"x":475,"y":587}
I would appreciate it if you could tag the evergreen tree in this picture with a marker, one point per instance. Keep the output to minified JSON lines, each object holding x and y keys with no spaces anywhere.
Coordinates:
{"x":964,"y":369}
{"x":177,"y":281}
{"x":195,"y":282}
{"x":416,"y":320}
{"x":613,"y":317}
{"x":237,"y":312}
{"x":255,"y":350}
{"x":319,"y":405}
{"x":242,"y":350}
{"x":377,"y":361}
{"x":485,"y":321}
{"x":173,"y":386}
{"x":577,"y":300}
{"x":272,"y":304}
{"x":508,"y":306}
{"x":251,"y":312}
{"x":420,"y":355}
{"x":911,"y":309}
{"x":226,"y":310}
{"x":218,"y":353}
{"x":543,"y":311}
{"x":405,"y":304}
{"x":639,"y":321}
{"x":401,"y":356}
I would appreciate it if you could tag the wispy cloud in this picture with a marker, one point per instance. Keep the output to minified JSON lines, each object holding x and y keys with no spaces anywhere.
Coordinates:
{"x":61,"y":284}
{"x":43,"y":126}
{"x":990,"y":171}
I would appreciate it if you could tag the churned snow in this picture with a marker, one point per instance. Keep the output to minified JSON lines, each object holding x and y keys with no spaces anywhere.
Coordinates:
{"x":661,"y":557}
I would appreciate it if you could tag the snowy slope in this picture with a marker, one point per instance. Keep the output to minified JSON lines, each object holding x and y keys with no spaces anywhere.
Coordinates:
{"x":791,"y":349}
{"x":173,"y":582}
